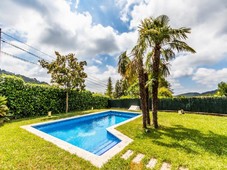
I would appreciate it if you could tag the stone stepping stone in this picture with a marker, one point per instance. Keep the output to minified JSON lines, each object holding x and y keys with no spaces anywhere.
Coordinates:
{"x":151,"y":164}
{"x":138,"y":158}
{"x":165,"y":166}
{"x":127,"y":154}
{"x":183,"y":168}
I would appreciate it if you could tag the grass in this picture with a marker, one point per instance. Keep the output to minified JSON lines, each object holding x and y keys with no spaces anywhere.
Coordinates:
{"x":190,"y":140}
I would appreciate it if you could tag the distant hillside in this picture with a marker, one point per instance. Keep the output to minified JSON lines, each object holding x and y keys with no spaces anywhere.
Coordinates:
{"x":194,"y":94}
{"x":209,"y":93}
{"x":190,"y":94}
{"x":26,"y":79}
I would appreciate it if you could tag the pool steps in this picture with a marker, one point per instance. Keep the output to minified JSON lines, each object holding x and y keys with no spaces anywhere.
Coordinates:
{"x":104,"y":146}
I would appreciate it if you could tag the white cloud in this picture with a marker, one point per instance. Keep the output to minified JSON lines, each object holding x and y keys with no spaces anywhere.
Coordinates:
{"x":209,"y":32}
{"x":53,"y":26}
{"x":175,"y":84}
{"x":23,"y":68}
{"x":97,"y":61}
{"x":125,"y":6}
{"x":77,"y":3}
{"x":210,"y":77}
{"x":97,"y":80}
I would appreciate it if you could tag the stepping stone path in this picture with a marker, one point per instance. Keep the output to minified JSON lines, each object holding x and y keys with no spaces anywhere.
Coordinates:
{"x":151,"y":164}
{"x":127,"y":154}
{"x":166,"y":166}
{"x":136,"y":163}
{"x":138,"y":158}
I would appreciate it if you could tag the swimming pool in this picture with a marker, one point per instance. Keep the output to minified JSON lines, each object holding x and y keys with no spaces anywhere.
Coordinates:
{"x":92,"y":136}
{"x":88,"y":132}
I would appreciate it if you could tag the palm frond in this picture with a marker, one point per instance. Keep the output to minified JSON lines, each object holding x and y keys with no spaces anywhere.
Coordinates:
{"x":167,"y":54}
{"x":122,"y":63}
{"x":164,"y":69}
{"x":181,"y":46}
{"x":148,"y":62}
{"x":180,"y":33}
{"x":163,"y":20}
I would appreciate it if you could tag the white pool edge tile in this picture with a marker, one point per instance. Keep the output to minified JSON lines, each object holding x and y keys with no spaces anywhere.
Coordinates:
{"x":96,"y":160}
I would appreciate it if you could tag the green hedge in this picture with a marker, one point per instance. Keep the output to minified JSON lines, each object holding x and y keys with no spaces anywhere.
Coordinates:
{"x":123,"y":103}
{"x":202,"y":104}
{"x":195,"y":104}
{"x":26,"y":99}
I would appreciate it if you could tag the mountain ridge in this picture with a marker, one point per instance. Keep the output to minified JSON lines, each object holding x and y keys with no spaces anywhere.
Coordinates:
{"x":25,"y":78}
{"x":194,"y":94}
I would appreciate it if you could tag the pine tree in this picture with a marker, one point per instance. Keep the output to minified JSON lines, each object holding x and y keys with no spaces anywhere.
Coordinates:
{"x":117,"y":92}
{"x":109,"y":90}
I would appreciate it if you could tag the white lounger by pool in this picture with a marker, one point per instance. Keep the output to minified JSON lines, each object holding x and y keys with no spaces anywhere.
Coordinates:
{"x":134,"y":107}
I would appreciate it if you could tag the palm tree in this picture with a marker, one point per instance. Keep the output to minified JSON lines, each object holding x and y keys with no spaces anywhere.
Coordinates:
{"x":123,"y":64}
{"x":126,"y":68}
{"x":142,"y":76}
{"x":156,"y":35}
{"x":132,"y":69}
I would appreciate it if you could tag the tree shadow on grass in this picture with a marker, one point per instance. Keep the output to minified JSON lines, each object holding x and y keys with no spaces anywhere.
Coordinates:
{"x":188,"y":140}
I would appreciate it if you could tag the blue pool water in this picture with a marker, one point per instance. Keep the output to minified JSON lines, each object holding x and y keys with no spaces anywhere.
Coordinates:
{"x":88,"y":132}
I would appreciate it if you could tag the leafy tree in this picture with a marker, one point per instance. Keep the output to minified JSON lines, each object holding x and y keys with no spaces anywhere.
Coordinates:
{"x":222,"y":89}
{"x":109,"y":89}
{"x":133,"y":90}
{"x":66,"y":72}
{"x":162,"y":41}
{"x":164,"y":92}
{"x":164,"y":83}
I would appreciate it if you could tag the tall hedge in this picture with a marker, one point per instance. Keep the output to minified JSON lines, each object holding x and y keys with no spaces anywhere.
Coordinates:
{"x":194,"y":104}
{"x":26,"y":99}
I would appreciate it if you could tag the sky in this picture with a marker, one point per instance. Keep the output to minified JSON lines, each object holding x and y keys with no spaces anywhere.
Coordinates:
{"x":98,"y":31}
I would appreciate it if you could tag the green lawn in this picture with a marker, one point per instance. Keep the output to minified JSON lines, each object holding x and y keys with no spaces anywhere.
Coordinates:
{"x":194,"y":141}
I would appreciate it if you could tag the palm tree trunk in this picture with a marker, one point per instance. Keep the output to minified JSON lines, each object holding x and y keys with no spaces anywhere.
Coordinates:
{"x":142,"y":84}
{"x":147,"y":100}
{"x":156,"y":61}
{"x":67,"y":102}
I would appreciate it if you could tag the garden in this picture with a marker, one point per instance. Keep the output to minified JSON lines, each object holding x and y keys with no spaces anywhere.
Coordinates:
{"x":190,"y":140}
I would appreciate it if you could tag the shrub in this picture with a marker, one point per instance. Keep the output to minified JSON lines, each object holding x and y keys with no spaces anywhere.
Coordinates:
{"x":26,"y":99}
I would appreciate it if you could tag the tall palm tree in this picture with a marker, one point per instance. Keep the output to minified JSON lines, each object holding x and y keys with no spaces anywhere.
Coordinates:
{"x":157,"y":36}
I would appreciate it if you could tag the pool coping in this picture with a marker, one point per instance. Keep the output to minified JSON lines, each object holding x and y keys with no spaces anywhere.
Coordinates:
{"x":96,"y":160}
